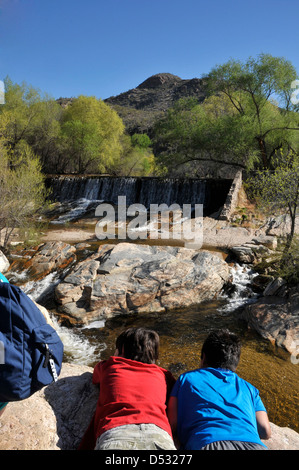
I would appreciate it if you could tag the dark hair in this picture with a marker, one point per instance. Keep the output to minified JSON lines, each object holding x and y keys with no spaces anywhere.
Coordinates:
{"x":222,"y":349}
{"x":139,"y":344}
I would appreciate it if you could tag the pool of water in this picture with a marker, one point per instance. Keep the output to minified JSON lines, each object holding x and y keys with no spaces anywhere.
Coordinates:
{"x":182,"y":334}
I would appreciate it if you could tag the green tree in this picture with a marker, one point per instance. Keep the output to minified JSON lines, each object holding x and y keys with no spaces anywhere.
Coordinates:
{"x":289,"y":270}
{"x":247,"y":117}
{"x":91,"y":133}
{"x":22,"y":190}
{"x":28,"y":116}
{"x":194,"y":136}
{"x":136,"y":158}
{"x":277,"y":191}
{"x":141,"y":140}
{"x":250,"y":86}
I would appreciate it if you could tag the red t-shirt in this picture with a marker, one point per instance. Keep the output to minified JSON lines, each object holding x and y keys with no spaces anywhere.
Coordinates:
{"x":131,"y":392}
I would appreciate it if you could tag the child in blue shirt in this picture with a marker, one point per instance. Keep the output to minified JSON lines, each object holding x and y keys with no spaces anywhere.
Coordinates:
{"x":212,"y":408}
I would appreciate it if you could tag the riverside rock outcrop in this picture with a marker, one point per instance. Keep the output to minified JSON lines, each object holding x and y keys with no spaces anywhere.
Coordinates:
{"x":276,"y":317}
{"x":56,"y":417}
{"x":252,"y":252}
{"x":44,"y":259}
{"x":126,"y":278}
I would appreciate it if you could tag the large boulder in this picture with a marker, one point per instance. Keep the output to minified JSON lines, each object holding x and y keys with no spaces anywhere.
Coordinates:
{"x":129,"y":277}
{"x":276,"y":318}
{"x":56,"y":417}
{"x":252,"y":252}
{"x":282,"y":438}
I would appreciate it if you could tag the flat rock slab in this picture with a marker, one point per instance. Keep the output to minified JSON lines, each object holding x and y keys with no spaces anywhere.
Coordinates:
{"x":276,"y":319}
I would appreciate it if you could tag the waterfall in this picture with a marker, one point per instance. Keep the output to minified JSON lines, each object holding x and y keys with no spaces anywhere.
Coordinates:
{"x":242,"y":292}
{"x":77,"y":347}
{"x":143,"y":190}
{"x":73,"y":210}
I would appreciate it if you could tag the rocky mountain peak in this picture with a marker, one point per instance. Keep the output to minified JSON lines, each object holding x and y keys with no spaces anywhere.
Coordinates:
{"x":160,"y":79}
{"x":140,"y":106}
{"x":159,"y":92}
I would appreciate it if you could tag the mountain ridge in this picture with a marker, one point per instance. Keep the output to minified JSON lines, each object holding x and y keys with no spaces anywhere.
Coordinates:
{"x":167,"y":87}
{"x":139,"y":107}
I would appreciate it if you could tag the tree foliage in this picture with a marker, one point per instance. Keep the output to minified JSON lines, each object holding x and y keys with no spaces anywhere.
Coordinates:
{"x":277,"y":191}
{"x":289,"y":270}
{"x":92,"y":132}
{"x":22,"y":190}
{"x":83,"y":135}
{"x":136,"y":158}
{"x":251,"y":87}
{"x":247,"y":117}
{"x":29,"y":117}
{"x":192,"y":135}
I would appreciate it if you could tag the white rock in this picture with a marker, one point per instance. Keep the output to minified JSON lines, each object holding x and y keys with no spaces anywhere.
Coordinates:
{"x":4,"y":263}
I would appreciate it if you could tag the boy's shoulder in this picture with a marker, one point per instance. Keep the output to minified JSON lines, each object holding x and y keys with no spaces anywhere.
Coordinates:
{"x":206,"y":373}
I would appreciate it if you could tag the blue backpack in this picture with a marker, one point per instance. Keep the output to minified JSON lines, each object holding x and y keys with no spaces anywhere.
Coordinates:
{"x":31,"y":351}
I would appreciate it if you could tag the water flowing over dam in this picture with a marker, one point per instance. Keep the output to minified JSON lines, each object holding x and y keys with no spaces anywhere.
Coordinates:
{"x":142,"y":190}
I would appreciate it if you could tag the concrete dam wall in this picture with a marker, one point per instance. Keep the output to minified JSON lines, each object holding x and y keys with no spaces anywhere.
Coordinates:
{"x":212,"y":193}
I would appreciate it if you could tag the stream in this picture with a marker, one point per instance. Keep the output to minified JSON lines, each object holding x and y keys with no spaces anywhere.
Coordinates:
{"x":182,"y":333}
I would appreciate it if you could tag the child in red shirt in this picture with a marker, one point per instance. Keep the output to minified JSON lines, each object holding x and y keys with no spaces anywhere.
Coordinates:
{"x":131,"y":408}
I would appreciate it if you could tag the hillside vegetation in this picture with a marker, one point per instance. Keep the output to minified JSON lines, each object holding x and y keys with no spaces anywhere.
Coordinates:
{"x":242,"y":115}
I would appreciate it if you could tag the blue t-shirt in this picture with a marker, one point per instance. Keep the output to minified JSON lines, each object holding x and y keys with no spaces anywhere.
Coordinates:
{"x":215,"y":405}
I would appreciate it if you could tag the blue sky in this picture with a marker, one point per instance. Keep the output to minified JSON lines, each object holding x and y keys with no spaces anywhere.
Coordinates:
{"x":105,"y":47}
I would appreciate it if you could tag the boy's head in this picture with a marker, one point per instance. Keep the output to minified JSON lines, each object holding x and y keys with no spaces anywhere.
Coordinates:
{"x":138,"y":344}
{"x":221,"y":349}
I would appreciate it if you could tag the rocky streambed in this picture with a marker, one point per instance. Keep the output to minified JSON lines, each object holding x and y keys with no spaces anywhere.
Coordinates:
{"x":168,"y":288}
{"x":92,"y":281}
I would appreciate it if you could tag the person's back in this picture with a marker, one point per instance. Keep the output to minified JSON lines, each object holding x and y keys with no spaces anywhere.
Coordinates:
{"x":131,"y":409}
{"x":212,"y":407}
{"x":130,"y":392}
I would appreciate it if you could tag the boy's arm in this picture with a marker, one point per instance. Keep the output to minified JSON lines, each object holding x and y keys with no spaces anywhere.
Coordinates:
{"x":263,"y":425}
